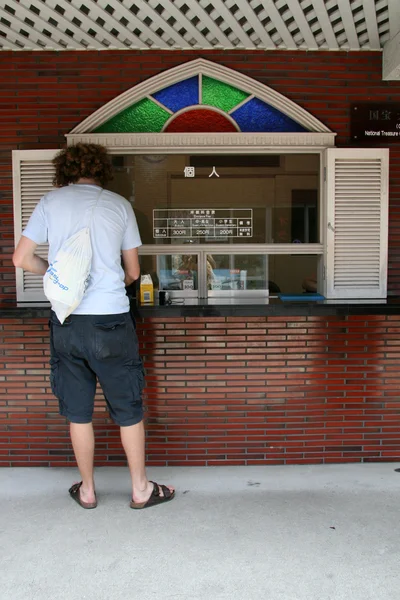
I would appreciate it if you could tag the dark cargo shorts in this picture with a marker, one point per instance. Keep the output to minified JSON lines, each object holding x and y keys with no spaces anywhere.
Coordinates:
{"x":90,"y":347}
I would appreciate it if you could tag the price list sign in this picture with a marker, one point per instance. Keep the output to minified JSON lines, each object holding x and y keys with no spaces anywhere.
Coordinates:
{"x":203,"y":223}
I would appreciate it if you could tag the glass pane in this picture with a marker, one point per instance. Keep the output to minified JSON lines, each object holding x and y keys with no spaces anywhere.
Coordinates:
{"x":179,"y":95}
{"x":221,"y":95}
{"x":256,"y":115}
{"x":233,"y":272}
{"x":200,"y":120}
{"x":144,"y":116}
{"x":286,"y":274}
{"x":222,"y":199}
{"x":172,"y":272}
{"x":289,"y":274}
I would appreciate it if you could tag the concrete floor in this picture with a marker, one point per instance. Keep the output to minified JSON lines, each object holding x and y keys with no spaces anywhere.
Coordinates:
{"x":273,"y":533}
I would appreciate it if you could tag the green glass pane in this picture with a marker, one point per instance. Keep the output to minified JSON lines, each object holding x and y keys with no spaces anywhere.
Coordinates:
{"x":143,"y":117}
{"x":221,"y":95}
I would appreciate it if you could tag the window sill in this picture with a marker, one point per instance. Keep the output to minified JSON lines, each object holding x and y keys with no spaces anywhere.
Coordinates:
{"x":258,"y":307}
{"x":232,"y":307}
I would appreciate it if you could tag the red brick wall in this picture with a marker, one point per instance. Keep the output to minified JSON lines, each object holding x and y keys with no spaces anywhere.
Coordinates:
{"x":45,"y":94}
{"x":270,"y":390}
{"x":218,"y":390}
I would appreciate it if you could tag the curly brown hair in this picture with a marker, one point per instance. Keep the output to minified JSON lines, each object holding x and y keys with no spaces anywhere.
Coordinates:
{"x":90,"y":161}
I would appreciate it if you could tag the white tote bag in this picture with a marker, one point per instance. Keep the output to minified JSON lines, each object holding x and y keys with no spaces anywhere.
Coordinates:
{"x":67,"y":277}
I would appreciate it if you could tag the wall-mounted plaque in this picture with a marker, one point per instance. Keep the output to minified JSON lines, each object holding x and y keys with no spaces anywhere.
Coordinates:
{"x":375,"y":123}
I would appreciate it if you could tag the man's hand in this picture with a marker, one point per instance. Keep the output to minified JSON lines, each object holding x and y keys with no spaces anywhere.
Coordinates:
{"x":25,"y":258}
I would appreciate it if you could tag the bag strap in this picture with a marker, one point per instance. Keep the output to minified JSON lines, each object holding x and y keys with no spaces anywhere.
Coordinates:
{"x":94,"y":208}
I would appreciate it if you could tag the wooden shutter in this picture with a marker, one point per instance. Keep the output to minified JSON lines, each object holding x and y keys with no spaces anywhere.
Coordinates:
{"x":356,"y":222}
{"x":33,"y":174}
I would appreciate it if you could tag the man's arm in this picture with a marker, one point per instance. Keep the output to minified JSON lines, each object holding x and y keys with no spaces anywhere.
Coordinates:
{"x":25,"y":258}
{"x":130,"y":261}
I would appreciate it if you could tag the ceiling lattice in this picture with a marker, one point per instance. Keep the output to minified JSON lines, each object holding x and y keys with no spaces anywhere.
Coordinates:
{"x":202,"y":24}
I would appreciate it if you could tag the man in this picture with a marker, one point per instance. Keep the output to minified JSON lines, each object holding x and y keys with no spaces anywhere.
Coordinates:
{"x":98,"y":341}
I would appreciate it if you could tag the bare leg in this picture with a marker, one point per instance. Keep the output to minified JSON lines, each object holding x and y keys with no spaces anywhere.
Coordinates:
{"x":133,"y":441}
{"x":82,"y":437}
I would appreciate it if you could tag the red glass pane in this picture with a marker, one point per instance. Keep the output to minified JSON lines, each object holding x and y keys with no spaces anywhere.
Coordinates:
{"x":202,"y":120}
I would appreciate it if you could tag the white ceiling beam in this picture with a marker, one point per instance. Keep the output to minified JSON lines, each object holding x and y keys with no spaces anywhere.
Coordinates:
{"x":253,"y":20}
{"x":326,"y":26}
{"x":391,"y":59}
{"x":372,"y":24}
{"x":185,"y":22}
{"x":114,"y":20}
{"x":237,"y":29}
{"x":158,"y":21}
{"x":279,"y":24}
{"x":14,"y":35}
{"x":135,"y":22}
{"x":10,"y":42}
{"x":207,"y":21}
{"x":40,"y":24}
{"x":6,"y":44}
{"x":80,"y":35}
{"x":302,"y":24}
{"x":97,"y":9}
{"x":348,"y":24}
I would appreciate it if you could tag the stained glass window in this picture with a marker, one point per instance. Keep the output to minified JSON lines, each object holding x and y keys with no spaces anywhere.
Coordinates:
{"x":200,"y":120}
{"x":180,"y":103}
{"x":179,"y":95}
{"x":222,"y":95}
{"x":257,"y":115}
{"x":144,"y":116}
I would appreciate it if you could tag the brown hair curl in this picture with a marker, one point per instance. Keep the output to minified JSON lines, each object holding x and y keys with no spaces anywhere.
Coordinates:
{"x":90,"y":161}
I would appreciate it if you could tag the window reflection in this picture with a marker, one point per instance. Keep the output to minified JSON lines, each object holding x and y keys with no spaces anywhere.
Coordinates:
{"x":281,"y":191}
{"x":235,"y":272}
{"x":273,"y":274}
{"x":172,"y":272}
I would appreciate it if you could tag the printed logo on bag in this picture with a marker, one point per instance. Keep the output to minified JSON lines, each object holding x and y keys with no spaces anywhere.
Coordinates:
{"x":53,"y":276}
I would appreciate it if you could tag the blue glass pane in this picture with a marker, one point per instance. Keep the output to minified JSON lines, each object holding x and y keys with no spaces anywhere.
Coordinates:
{"x":179,"y":95}
{"x":257,"y":115}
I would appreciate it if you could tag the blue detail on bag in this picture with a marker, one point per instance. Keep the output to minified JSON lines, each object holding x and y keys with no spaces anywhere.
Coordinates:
{"x":53,"y":276}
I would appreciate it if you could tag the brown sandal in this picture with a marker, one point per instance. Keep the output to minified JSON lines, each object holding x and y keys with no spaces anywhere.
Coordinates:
{"x":155,"y":497}
{"x":75,"y":494}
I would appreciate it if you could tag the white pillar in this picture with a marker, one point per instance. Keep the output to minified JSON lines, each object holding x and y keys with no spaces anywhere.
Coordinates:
{"x":391,"y":59}
{"x":391,"y":50}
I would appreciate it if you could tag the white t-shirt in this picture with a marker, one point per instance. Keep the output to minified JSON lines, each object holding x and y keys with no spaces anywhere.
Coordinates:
{"x":63,"y":212}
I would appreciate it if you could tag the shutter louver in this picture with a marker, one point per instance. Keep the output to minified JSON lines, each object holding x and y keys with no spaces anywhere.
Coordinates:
{"x":357,"y":223}
{"x":33,"y":177}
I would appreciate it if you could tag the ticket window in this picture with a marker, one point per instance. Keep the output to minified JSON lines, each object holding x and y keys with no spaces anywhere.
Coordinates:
{"x":235,"y":200}
{"x":211,"y":225}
